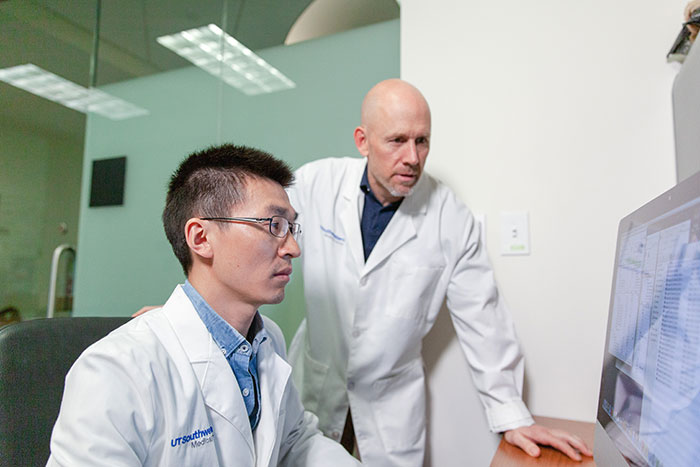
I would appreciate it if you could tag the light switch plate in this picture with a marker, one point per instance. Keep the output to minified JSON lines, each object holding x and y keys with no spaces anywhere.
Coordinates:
{"x":515,"y":233}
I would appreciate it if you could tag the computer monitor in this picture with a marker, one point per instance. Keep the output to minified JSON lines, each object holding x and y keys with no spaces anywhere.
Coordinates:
{"x":649,"y":404}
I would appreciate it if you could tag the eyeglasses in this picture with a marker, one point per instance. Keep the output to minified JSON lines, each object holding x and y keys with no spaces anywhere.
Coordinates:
{"x":279,"y":226}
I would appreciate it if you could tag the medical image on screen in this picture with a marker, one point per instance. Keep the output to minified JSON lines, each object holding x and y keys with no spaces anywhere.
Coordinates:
{"x":651,"y":381}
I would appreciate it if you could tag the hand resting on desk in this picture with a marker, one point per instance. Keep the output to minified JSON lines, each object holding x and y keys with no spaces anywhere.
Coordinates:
{"x":527,"y":438}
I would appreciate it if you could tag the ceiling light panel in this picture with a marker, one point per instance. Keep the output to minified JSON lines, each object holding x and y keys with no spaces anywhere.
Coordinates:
{"x":221,"y":55}
{"x":45,"y":84}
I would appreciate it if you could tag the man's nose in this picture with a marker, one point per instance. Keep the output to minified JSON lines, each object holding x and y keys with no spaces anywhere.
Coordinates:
{"x":290,"y":247}
{"x":411,"y":154}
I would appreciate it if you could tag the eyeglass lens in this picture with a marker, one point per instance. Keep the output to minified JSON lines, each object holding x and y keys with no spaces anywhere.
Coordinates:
{"x":279,"y":226}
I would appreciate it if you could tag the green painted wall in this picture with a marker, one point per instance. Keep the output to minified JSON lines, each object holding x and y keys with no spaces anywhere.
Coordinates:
{"x":124,"y":260}
{"x":39,"y":176}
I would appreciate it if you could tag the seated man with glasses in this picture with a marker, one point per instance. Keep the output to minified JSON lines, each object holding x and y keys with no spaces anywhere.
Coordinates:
{"x":202,"y":381}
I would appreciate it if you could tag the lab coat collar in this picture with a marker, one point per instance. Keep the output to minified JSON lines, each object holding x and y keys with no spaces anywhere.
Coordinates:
{"x":402,"y":227}
{"x":349,"y":213}
{"x":219,"y":386}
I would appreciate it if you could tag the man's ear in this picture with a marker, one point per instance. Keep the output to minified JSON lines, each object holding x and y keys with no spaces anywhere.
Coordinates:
{"x":197,"y":238}
{"x":361,"y":142}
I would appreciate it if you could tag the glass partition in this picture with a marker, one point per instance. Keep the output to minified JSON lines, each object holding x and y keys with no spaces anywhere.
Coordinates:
{"x":41,"y":153}
{"x":172,"y":77}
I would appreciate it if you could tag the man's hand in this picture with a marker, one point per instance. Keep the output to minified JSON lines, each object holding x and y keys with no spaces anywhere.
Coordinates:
{"x":145,"y":309}
{"x":528,"y":437}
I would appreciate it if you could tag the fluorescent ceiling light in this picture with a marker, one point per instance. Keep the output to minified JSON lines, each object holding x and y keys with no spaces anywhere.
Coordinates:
{"x":221,"y":55}
{"x":45,"y":84}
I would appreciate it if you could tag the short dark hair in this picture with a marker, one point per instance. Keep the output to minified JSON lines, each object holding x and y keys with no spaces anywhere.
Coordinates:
{"x":209,"y":183}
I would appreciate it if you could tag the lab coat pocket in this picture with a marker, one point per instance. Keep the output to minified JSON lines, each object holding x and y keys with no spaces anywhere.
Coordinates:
{"x":399,"y":408}
{"x":315,"y":374}
{"x":412,"y":290}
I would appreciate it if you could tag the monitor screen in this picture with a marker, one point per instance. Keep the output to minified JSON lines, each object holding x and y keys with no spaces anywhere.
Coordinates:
{"x":649,"y":404}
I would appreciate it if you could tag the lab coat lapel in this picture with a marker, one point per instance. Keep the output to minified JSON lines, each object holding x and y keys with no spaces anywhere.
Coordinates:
{"x":402,"y":227}
{"x":350,"y":216}
{"x":273,"y":373}
{"x":219,"y":386}
{"x":222,"y":393}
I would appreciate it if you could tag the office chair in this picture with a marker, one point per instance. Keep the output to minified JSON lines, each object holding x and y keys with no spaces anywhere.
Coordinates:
{"x":34,"y":359}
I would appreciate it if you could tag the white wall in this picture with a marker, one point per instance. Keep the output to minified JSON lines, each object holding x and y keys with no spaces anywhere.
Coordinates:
{"x":562,"y":109}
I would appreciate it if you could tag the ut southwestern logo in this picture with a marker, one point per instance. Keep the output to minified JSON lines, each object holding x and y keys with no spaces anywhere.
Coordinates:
{"x":197,"y":438}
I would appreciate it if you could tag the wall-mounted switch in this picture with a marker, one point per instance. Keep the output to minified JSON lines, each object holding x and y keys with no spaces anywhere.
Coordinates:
{"x":515,"y":233}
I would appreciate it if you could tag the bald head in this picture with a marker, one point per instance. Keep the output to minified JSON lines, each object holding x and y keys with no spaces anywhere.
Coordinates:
{"x":394,"y":137}
{"x":385,"y":98}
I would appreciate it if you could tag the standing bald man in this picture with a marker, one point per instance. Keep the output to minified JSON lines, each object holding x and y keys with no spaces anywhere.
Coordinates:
{"x":384,"y":245}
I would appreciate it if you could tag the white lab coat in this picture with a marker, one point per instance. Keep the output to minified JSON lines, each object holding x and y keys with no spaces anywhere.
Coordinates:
{"x":361,"y":341}
{"x":158,"y":392}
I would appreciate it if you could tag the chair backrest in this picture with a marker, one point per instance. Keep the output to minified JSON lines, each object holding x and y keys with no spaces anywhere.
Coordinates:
{"x":34,"y":359}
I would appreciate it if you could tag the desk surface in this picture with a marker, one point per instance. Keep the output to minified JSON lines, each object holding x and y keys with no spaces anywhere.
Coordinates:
{"x":511,"y":456}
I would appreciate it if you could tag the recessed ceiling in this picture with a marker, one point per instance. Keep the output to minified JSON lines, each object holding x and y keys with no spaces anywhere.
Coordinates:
{"x":58,"y":36}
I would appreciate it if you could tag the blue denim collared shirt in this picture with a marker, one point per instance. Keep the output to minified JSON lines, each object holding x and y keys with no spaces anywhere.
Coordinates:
{"x":375,"y":217}
{"x":242,"y":356}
